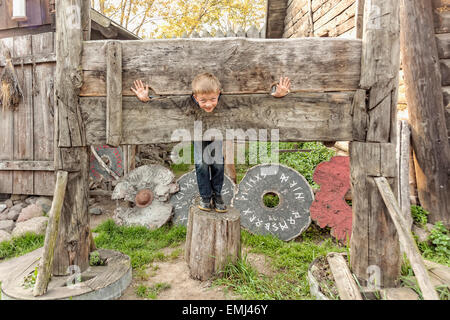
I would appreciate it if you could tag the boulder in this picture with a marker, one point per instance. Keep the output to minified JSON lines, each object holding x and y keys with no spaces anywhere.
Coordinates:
{"x":44,"y":203}
{"x":31,"y":200}
{"x":95,"y":211}
{"x":9,"y":203}
{"x":13,"y":215}
{"x":4,"y":215}
{"x":3,"y":207}
{"x":7,"y":225}
{"x":4,"y":236}
{"x":32,"y":211}
{"x":36,"y":225}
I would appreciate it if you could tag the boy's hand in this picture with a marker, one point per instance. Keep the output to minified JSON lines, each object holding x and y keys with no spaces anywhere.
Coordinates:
{"x":282,"y":87}
{"x":141,"y":91}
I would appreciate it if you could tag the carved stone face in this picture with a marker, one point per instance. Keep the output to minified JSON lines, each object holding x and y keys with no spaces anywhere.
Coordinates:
{"x":207,"y":101}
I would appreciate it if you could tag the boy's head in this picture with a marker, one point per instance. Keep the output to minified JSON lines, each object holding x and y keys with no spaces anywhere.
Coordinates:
{"x":206,"y":90}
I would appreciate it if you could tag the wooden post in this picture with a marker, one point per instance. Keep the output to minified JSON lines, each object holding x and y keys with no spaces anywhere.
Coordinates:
{"x":71,"y":153}
{"x":403,"y":152}
{"x":212,"y":240}
{"x":346,"y":285}
{"x":406,"y":239}
{"x":45,"y":266}
{"x":426,"y":109}
{"x":113,"y":93}
{"x":374,"y":243}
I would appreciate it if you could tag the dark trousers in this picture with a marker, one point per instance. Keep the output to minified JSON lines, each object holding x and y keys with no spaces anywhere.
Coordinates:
{"x":209,"y":168}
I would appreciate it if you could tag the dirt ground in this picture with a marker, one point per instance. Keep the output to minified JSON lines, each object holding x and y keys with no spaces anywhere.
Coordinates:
{"x":175,"y":272}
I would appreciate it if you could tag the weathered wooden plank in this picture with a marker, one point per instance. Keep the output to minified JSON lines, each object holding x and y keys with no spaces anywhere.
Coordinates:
{"x":6,"y":135}
{"x":443,"y":45}
{"x":46,"y":263}
{"x":243,"y":65}
{"x":346,"y":285}
{"x":299,"y":117}
{"x":403,"y":152}
{"x":23,"y":119}
{"x":337,"y":15}
{"x":27,"y":165}
{"x":426,"y":110}
{"x":73,"y":241}
{"x":43,"y":100}
{"x":359,"y":18}
{"x":31,"y":59}
{"x":406,"y":239}
{"x":441,"y":20}
{"x":113,"y":93}
{"x":360,"y":116}
{"x":379,"y":127}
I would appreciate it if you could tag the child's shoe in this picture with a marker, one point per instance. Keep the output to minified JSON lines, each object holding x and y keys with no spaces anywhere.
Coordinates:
{"x":205,"y":205}
{"x":219,"y":205}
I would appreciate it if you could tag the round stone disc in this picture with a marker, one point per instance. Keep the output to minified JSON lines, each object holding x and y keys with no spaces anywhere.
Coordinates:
{"x":290,"y":217}
{"x":188,"y":195}
{"x":114,"y":158}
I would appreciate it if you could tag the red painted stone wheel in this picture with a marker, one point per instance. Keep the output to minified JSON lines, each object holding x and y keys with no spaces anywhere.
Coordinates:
{"x":329,"y":207}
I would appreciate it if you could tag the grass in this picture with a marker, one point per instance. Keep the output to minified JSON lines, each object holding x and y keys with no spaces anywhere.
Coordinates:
{"x":140,"y":244}
{"x":21,"y":245}
{"x":289,"y":260}
{"x":151,"y":292}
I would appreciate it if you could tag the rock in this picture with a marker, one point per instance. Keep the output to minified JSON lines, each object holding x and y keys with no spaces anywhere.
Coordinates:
{"x":429,"y":226}
{"x":19,"y":201}
{"x":4,"y":215}
{"x":95,"y":211}
{"x":15,"y":197}
{"x":421,"y":233}
{"x":44,"y":203}
{"x":4,"y":236}
{"x":91,"y":201}
{"x":7,"y":225}
{"x":13,"y":215}
{"x":32,"y":211}
{"x":9,"y":203}
{"x":31,"y":200}
{"x":3,"y":207}
{"x":36,"y":225}
{"x":18,"y":207}
{"x":154,"y":216}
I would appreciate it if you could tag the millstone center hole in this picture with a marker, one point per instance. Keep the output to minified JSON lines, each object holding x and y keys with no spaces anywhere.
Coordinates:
{"x":271,"y":200}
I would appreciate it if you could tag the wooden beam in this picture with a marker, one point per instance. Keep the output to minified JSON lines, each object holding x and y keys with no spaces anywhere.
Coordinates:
{"x":403,"y":153}
{"x":46,"y":264}
{"x":242,"y":65}
{"x":374,"y":241}
{"x":346,"y":285}
{"x":298,"y":117}
{"x":113,"y":93}
{"x":34,"y":59}
{"x":406,"y":239}
{"x":73,"y":241}
{"x":429,"y":133}
{"x":25,"y":165}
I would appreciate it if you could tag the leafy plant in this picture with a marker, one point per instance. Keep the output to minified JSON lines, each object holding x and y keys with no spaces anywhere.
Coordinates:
{"x":440,"y":239}
{"x":95,"y":259}
{"x":151,"y":292}
{"x":419,"y":215}
{"x":30,"y":280}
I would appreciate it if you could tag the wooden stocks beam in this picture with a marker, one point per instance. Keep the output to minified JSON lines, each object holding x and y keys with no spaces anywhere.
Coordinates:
{"x":426,"y":108}
{"x":71,"y":153}
{"x":374,"y":246}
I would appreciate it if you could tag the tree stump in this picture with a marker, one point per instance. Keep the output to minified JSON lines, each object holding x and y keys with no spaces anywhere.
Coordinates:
{"x":213,"y":240}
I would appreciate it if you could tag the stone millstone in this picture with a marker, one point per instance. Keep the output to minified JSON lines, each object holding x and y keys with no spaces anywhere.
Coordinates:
{"x":189,"y":195}
{"x":160,"y":181}
{"x":290,"y":217}
{"x":329,"y":208}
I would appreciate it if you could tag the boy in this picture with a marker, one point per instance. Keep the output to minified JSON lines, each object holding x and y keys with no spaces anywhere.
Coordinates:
{"x":206,"y":92}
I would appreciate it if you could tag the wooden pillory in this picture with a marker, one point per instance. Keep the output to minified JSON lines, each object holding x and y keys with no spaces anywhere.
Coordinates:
{"x":343,"y":89}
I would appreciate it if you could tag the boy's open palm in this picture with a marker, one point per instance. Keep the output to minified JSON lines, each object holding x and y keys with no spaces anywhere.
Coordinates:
{"x":141,"y":91}
{"x":283,"y":87}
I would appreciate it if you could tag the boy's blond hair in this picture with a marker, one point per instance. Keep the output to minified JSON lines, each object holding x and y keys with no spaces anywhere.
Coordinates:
{"x":206,"y":83}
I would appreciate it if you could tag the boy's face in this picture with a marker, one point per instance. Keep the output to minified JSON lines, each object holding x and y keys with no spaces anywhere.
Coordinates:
{"x":207,"y":101}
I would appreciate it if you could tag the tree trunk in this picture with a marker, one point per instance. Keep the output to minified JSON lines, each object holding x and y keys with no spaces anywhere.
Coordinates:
{"x":426,"y":108}
{"x":212,"y":241}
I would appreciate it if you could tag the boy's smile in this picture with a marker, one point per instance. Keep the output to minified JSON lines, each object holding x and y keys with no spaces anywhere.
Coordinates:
{"x":207,"y":101}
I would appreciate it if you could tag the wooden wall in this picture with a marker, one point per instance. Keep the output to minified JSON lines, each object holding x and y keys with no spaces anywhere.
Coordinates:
{"x":442,"y":29}
{"x":38,"y":13}
{"x":320,"y":18}
{"x":26,"y":134}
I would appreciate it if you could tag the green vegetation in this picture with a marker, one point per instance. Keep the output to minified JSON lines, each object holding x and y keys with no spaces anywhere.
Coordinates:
{"x":437,"y":246}
{"x":20,"y":245}
{"x":151,"y":292}
{"x":271,"y":200}
{"x":95,"y":259}
{"x":419,"y":215}
{"x":289,"y":261}
{"x":30,"y":280}
{"x":140,"y":244}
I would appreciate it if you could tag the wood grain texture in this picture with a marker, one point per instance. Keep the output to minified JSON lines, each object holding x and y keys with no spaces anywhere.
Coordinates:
{"x":299,"y":117}
{"x":346,"y":285}
{"x":212,"y":241}
{"x":406,"y":239}
{"x":426,"y":110}
{"x":242,"y":65}
{"x":113,"y":93}
{"x":43,"y":112}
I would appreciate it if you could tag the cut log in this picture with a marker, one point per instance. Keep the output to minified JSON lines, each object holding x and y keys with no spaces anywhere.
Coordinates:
{"x":46,"y":264}
{"x":213,"y":240}
{"x":346,"y":285}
